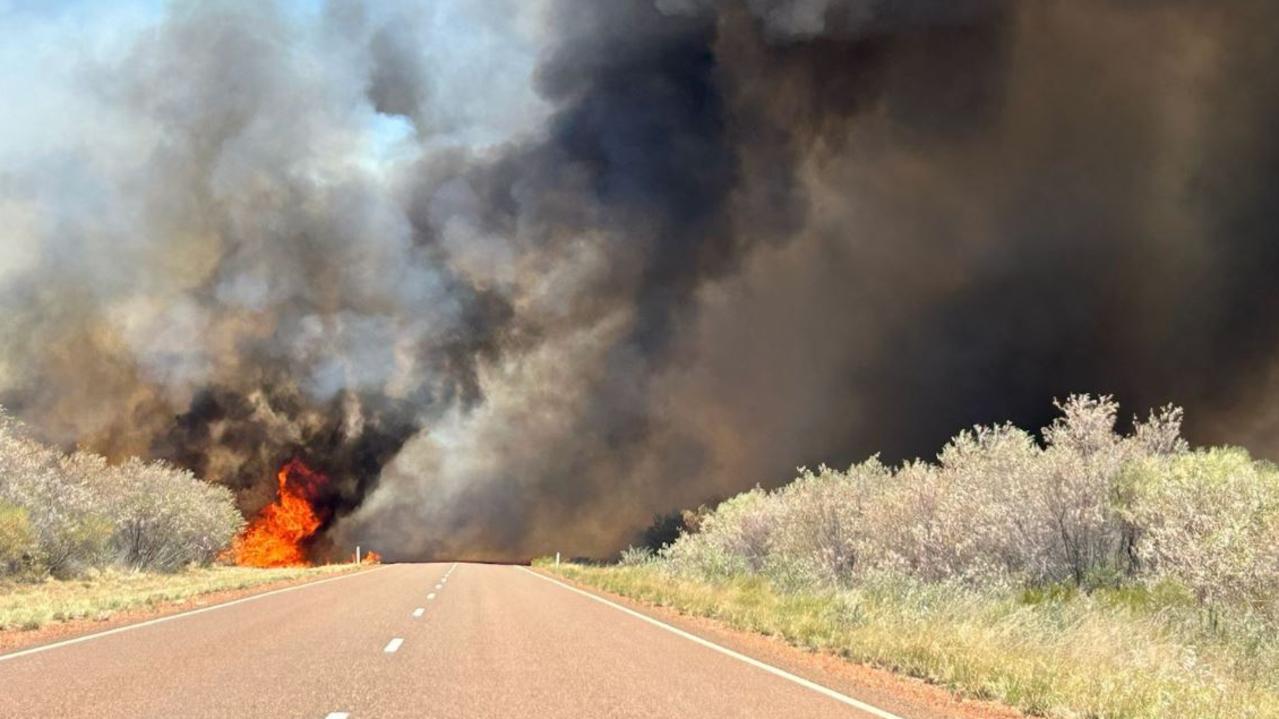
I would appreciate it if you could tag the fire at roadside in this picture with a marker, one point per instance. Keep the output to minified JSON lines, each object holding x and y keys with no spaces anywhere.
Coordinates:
{"x":284,"y":532}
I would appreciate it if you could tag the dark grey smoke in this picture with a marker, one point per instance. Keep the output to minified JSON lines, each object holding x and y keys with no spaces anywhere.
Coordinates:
{"x":732,"y":237}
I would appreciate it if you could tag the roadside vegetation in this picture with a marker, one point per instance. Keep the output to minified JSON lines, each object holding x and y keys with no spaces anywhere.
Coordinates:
{"x":1083,"y":573}
{"x":84,"y":539}
{"x":66,"y":515}
{"x":100,"y":595}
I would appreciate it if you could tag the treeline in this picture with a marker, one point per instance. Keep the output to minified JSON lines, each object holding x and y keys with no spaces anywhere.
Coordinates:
{"x":62,"y":514}
{"x":1081,"y":505}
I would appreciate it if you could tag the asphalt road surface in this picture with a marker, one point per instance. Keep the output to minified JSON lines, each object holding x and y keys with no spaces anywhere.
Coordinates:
{"x":408,"y":640}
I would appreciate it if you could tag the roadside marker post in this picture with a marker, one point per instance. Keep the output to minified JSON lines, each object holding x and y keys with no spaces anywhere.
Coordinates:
{"x":357,"y":554}
{"x":557,"y":560}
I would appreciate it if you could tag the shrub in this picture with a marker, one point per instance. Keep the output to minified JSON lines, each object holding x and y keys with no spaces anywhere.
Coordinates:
{"x":1210,"y":521}
{"x":17,"y":540}
{"x":820,"y":527}
{"x":64,"y":516}
{"x":997,"y":507}
{"x":968,"y":515}
{"x":167,"y":519}
{"x":81,"y":512}
{"x":636,"y":556}
{"x":733,"y":539}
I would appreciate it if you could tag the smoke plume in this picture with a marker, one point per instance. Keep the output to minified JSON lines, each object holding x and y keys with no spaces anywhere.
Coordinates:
{"x":519,"y":275}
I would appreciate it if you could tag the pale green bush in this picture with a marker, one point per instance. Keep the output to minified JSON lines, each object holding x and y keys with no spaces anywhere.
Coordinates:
{"x":65,"y":516}
{"x":17,"y":540}
{"x":819,"y":526}
{"x":734,"y":539}
{"x":1209,"y":520}
{"x":999,"y":508}
{"x":636,"y":556}
{"x":82,"y":512}
{"x":166,"y":518}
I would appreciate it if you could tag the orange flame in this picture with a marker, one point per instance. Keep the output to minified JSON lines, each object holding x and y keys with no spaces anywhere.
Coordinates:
{"x":275,"y":538}
{"x":371,"y":557}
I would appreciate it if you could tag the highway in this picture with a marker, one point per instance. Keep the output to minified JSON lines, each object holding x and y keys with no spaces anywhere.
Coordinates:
{"x":409,"y":640}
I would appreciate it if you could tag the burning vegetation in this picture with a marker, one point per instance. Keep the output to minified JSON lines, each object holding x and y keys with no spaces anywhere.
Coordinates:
{"x":280,"y":535}
{"x":285,"y":532}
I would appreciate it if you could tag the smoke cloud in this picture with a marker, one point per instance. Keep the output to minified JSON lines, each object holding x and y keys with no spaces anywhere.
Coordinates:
{"x":519,"y":275}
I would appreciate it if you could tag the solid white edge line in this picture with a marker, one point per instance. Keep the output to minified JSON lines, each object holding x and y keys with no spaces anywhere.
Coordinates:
{"x":181,"y":615}
{"x":393,"y":646}
{"x":338,"y":715}
{"x":831,"y":693}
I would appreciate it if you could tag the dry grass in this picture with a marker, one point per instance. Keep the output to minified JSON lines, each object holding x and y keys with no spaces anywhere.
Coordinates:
{"x":33,"y":605}
{"x":1070,"y":656}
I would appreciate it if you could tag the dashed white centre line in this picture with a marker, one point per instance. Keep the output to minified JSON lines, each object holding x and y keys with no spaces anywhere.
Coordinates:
{"x":338,"y":715}
{"x":394,"y":645}
{"x":439,"y":586}
{"x":418,"y":612}
{"x":430,"y":596}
